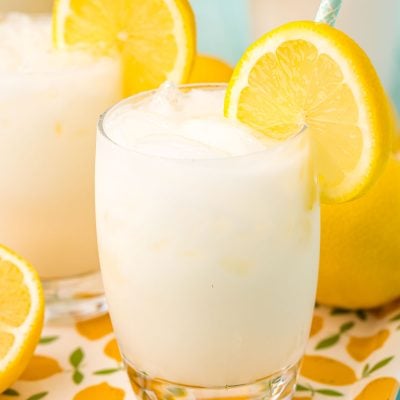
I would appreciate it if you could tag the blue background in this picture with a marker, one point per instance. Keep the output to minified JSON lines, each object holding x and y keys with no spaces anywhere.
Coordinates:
{"x":223,"y":29}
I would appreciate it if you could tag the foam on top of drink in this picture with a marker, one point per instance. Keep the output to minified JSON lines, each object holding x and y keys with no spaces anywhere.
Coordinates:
{"x":183,"y":125}
{"x":26,"y":47}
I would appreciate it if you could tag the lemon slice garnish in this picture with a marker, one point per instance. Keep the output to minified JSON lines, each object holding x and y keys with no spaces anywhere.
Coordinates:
{"x":307,"y":73}
{"x":155,"y":39}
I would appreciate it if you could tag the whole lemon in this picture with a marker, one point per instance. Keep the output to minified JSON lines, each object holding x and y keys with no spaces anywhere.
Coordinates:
{"x":209,"y":69}
{"x":360,"y":246}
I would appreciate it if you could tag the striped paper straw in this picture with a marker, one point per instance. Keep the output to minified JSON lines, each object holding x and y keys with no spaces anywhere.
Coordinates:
{"x":328,"y":11}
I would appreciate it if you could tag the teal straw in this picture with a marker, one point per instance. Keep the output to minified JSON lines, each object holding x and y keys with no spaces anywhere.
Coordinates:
{"x":328,"y":11}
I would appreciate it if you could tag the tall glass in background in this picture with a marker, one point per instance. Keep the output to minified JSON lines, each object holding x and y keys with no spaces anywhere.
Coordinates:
{"x":373,"y":24}
{"x":31,"y":6}
{"x":49,"y":103}
{"x":236,"y":24}
{"x":209,"y":265}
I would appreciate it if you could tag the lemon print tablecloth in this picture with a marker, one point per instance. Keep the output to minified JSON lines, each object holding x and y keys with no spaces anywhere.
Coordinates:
{"x":350,"y":355}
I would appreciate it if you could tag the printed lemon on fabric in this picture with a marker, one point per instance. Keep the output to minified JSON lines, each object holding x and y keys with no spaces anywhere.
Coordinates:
{"x":21,"y":315}
{"x":360,"y":348}
{"x":379,"y":389}
{"x":154,"y":38}
{"x":95,"y":328}
{"x":316,"y":325}
{"x":310,"y":74}
{"x":101,"y":391}
{"x":112,"y":350}
{"x":40,"y":367}
{"x":327,"y":370}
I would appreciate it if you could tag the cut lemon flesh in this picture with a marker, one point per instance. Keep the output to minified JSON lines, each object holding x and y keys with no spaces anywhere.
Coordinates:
{"x":155,"y":38}
{"x":307,"y":73}
{"x":21,"y":315}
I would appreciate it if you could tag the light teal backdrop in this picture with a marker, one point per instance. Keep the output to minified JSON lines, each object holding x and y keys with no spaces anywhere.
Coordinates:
{"x":395,"y":87}
{"x":223,"y":27}
{"x":224,"y":30}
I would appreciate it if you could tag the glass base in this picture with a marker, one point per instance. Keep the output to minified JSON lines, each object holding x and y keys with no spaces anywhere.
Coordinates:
{"x":77,"y":298}
{"x":279,"y":386}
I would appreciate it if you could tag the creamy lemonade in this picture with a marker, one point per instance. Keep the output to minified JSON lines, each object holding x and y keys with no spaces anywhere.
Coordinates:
{"x":49,"y":102}
{"x":209,"y":241}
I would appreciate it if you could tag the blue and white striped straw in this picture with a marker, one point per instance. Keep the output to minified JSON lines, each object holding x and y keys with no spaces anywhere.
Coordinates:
{"x":328,"y":11}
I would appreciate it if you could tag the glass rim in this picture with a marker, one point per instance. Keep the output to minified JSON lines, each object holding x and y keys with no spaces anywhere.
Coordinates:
{"x":137,"y":97}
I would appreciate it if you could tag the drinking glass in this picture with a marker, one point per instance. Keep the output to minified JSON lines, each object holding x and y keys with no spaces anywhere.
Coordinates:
{"x":48,"y":117}
{"x":209,"y":266}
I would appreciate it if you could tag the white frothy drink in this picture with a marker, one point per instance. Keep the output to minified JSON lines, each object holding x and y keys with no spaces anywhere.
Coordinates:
{"x":208,"y":238}
{"x":49,"y":104}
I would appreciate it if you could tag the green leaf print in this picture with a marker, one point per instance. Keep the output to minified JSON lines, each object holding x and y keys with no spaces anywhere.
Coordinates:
{"x":346,"y":326}
{"x":339,"y":311}
{"x":10,"y":392}
{"x":333,"y":339}
{"x":362,"y":315}
{"x":380,"y":364}
{"x":329,"y":392}
{"x":395,"y":318}
{"x":38,"y":396}
{"x":328,"y":342}
{"x":301,"y":388}
{"x":77,"y":377}
{"x":323,"y":391}
{"x":107,"y":371}
{"x":75,"y":360}
{"x":367,"y":371}
{"x":76,"y":357}
{"x":47,"y":339}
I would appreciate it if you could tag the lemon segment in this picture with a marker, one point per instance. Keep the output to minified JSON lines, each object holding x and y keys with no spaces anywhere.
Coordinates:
{"x":155,"y":39}
{"x":21,"y":315}
{"x":307,"y":73}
